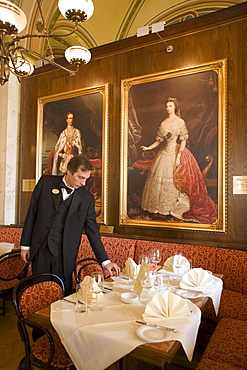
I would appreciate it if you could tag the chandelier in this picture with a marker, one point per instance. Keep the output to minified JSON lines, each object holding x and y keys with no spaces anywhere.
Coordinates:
{"x":14,"y":58}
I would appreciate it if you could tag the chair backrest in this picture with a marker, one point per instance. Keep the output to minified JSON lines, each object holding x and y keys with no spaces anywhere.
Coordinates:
{"x":35,"y":292}
{"x":84,"y":267}
{"x":12,"y":269}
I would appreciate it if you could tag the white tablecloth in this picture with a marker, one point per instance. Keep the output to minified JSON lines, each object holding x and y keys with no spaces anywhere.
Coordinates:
{"x":96,"y":339}
{"x":214,"y":294}
{"x":6,"y":247}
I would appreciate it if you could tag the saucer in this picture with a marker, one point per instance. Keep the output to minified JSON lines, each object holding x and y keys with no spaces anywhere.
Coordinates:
{"x":185,"y":294}
{"x":153,"y":335}
{"x":129,"y":298}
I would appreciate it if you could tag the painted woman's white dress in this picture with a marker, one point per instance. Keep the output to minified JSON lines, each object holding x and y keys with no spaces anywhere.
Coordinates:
{"x":160,"y":194}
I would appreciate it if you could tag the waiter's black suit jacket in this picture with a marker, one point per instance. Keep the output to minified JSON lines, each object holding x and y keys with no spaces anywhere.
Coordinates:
{"x":81,"y":216}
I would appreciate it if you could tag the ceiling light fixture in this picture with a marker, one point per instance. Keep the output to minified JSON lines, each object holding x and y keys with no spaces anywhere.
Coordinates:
{"x":14,"y":58}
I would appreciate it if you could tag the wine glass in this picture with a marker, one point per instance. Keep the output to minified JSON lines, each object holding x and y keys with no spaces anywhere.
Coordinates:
{"x":155,"y":256}
{"x":178,"y":263}
{"x":98,"y":278}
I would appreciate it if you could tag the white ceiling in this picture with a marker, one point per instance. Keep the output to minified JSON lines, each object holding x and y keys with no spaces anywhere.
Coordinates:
{"x":112,"y":20}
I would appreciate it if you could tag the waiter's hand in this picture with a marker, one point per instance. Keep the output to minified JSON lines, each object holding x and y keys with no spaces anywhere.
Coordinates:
{"x":25,"y":255}
{"x":112,"y":268}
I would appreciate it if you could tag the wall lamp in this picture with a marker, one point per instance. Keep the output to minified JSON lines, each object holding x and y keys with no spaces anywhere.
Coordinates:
{"x":155,"y":28}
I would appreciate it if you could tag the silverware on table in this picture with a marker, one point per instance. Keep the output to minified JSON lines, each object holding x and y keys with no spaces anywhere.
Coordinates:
{"x":157,"y":326}
{"x":107,"y":288}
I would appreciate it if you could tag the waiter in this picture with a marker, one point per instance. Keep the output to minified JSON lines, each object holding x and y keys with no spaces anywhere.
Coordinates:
{"x":60,"y":209}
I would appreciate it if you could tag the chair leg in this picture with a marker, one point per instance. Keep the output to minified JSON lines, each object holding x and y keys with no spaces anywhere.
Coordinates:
{"x":4,"y":303}
{"x":4,"y":307}
{"x":25,"y":364}
{"x":22,"y":364}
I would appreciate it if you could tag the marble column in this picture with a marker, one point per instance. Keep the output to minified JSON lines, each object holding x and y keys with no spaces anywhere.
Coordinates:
{"x":9,"y":150}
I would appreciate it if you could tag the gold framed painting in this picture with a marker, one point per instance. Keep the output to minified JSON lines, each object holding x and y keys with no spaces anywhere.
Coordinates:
{"x":173,"y":149}
{"x":73,"y":123}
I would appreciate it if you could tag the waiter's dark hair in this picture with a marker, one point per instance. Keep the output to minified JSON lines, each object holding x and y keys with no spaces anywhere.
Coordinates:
{"x":79,"y":162}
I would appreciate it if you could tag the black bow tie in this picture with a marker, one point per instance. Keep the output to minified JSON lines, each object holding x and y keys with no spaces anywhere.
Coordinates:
{"x":69,"y":190}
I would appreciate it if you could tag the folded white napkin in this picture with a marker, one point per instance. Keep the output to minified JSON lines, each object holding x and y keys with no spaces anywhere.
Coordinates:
{"x":91,"y":287}
{"x":177,"y":260}
{"x":166,"y":305}
{"x":197,"y":278}
{"x":168,"y":264}
{"x":131,"y":268}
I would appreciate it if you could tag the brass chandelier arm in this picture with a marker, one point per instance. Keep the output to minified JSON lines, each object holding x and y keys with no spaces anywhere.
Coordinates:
{"x":17,"y":59}
{"x":71,"y":72}
{"x":54,"y":35}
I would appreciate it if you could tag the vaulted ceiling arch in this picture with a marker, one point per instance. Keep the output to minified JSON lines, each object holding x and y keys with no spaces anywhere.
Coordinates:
{"x":174,"y":12}
{"x":111,"y":21}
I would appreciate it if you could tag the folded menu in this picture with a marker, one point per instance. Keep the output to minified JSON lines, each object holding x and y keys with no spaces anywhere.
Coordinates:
{"x":166,"y":305}
{"x":197,"y":278}
{"x":131,"y":268}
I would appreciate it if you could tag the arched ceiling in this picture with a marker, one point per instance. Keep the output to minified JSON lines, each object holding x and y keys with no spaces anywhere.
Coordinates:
{"x":112,"y":20}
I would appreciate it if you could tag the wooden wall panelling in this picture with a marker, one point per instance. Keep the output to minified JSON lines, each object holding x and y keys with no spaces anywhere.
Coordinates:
{"x":208,"y":38}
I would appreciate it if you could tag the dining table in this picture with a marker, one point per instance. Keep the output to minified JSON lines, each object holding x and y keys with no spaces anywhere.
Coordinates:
{"x":8,"y":247}
{"x":156,"y":353}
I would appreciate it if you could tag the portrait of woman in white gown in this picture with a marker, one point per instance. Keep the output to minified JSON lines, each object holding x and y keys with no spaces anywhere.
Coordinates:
{"x":175,"y":185}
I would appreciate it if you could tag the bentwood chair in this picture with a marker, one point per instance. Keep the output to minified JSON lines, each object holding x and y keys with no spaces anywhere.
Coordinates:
{"x":31,"y":294}
{"x":84,"y":267}
{"x":12,"y":270}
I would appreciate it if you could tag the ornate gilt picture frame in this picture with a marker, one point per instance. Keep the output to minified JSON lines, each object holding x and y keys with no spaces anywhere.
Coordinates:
{"x":89,"y":108}
{"x":164,"y":184}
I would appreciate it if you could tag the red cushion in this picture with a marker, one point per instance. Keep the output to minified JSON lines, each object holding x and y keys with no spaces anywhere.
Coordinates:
{"x":118,"y":249}
{"x":232,"y":304}
{"x":41,"y":350}
{"x":204,"y":257}
{"x":10,"y":234}
{"x":228,"y":344}
{"x":39,"y":296}
{"x":207,"y":364}
{"x":233,"y":264}
{"x":10,"y":268}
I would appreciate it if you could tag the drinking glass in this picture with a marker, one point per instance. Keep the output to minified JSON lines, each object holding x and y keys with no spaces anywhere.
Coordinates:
{"x":147,"y":284}
{"x":131,"y":274}
{"x":97,"y":277}
{"x":81,"y":298}
{"x":144,"y":259}
{"x":162,"y":282}
{"x":145,"y":296}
